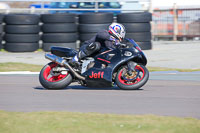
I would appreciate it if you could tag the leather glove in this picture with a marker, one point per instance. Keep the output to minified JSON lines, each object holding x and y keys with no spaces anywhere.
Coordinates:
{"x":115,"y":41}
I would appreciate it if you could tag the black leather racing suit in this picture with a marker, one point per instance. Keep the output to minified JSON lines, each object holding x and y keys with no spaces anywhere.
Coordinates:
{"x":101,"y":41}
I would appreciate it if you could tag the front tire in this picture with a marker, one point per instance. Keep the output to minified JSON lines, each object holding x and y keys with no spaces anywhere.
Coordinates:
{"x":58,"y":81}
{"x":123,"y":83}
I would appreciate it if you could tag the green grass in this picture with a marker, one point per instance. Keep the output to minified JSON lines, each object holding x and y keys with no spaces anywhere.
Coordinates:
{"x":38,"y":50}
{"x":153,"y":69}
{"x":11,"y":66}
{"x":66,"y":122}
{"x":3,"y":50}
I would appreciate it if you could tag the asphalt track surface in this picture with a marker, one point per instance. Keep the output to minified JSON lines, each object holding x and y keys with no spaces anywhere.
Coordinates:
{"x":164,"y":94}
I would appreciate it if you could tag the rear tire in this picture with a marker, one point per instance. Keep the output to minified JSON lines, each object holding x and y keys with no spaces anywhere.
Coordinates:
{"x":53,"y":83}
{"x":136,"y":84}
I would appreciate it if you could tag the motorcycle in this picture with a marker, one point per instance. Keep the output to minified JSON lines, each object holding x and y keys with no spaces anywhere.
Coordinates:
{"x":123,"y":66}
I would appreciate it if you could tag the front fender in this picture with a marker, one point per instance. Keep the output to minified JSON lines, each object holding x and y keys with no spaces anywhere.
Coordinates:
{"x":139,"y":59}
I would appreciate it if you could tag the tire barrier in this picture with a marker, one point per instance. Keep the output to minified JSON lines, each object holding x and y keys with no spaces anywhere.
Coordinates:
{"x":145,"y":45}
{"x":22,"y":19}
{"x":21,"y":47}
{"x":59,"y":37}
{"x":22,"y":29}
{"x":1,"y":30}
{"x":1,"y":18}
{"x":91,"y":23}
{"x":139,"y":36}
{"x":58,"y":18}
{"x":96,"y":18}
{"x":22,"y":32}
{"x":140,"y":17}
{"x":59,"y":29}
{"x":137,"y":27}
{"x":1,"y":42}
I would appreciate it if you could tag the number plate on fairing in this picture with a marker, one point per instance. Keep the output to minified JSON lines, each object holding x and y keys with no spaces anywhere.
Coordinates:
{"x":128,"y":53}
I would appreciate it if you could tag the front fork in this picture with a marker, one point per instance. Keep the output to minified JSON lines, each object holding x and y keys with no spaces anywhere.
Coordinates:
{"x":131,"y":73}
{"x":131,"y":67}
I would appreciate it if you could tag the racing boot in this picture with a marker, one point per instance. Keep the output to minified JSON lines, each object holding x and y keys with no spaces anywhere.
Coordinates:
{"x":75,"y":61}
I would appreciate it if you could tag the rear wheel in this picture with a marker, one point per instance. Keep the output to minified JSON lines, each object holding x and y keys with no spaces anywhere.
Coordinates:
{"x":50,"y":78}
{"x":132,"y":81}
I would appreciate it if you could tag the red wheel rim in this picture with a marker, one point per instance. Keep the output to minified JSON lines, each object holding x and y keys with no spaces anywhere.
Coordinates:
{"x":47,"y":74}
{"x":138,"y":79}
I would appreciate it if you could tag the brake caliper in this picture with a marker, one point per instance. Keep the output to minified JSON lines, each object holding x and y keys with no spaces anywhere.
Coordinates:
{"x":130,"y":74}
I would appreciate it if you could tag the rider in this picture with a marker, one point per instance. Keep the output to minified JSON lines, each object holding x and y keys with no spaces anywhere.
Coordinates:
{"x":103,"y":40}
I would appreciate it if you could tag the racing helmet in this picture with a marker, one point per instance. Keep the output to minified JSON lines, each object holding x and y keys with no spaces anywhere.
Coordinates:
{"x":117,"y":30}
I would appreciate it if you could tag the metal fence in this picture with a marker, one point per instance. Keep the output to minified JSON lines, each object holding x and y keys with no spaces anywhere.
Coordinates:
{"x":176,"y":24}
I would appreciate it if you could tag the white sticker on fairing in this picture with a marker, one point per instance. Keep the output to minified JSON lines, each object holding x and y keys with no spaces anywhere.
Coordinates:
{"x":128,"y":53}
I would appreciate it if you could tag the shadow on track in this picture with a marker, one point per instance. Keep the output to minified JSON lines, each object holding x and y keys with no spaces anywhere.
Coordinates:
{"x":79,"y":87}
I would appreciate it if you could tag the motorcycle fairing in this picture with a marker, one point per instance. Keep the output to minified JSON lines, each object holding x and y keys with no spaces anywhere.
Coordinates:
{"x":141,"y":56}
{"x":113,"y":59}
{"x":98,"y":76}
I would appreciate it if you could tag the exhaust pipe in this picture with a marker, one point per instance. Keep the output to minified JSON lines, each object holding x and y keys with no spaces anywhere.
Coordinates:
{"x":62,"y":62}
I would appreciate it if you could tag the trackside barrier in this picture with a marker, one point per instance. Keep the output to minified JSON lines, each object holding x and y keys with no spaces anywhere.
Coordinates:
{"x":62,"y":29}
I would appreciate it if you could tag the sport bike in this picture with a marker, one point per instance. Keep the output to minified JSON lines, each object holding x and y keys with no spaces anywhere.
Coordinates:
{"x":123,"y":66}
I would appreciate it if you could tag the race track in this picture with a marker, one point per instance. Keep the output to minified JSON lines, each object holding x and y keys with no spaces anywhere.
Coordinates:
{"x":162,"y":95}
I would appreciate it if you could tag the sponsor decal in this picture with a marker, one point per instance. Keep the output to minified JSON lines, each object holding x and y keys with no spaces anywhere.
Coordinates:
{"x":103,"y":60}
{"x":98,"y":75}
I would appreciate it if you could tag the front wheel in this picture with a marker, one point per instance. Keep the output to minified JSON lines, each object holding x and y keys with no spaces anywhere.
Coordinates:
{"x":133,"y":81}
{"x":53,"y":77}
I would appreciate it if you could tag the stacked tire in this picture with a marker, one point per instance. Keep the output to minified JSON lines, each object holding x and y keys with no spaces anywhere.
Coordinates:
{"x":22,"y":32}
{"x":138,"y":27}
{"x":91,"y":23}
{"x":59,"y":30}
{"x":1,"y":29}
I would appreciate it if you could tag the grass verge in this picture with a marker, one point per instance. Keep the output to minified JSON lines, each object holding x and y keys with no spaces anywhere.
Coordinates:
{"x":153,"y":69}
{"x":11,"y":66}
{"x":66,"y":122}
